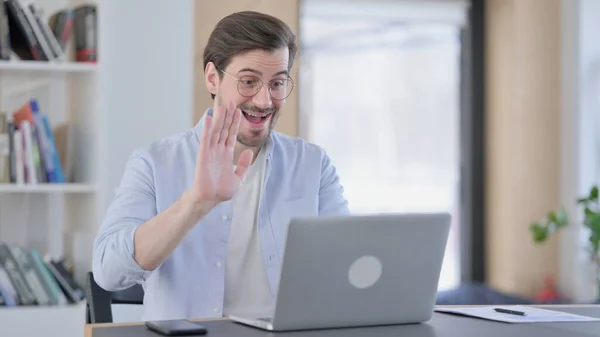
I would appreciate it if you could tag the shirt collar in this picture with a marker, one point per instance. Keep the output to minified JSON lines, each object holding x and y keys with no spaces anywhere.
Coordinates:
{"x":268,"y":147}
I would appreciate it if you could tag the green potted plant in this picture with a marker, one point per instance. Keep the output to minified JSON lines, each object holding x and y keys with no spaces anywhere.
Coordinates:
{"x":558,"y":219}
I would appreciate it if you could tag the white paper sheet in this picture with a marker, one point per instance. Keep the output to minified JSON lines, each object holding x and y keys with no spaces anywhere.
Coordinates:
{"x":532,"y":315}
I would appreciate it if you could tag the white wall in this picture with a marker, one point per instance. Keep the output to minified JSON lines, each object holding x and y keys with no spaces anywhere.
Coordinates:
{"x":146,"y":82}
{"x":580,"y":134}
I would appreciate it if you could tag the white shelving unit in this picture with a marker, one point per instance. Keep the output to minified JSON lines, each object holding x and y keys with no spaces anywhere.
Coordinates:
{"x":50,"y":216}
{"x":47,"y":188}
{"x":33,"y":67}
{"x":140,"y":90}
{"x":58,"y":219}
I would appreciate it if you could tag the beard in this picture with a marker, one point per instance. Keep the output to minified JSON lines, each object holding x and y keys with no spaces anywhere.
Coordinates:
{"x":257,"y":138}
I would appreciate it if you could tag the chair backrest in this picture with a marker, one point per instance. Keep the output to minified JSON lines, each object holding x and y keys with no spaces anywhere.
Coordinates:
{"x":98,"y":308}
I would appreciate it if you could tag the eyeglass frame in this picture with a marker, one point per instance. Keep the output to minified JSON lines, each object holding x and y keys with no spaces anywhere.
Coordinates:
{"x":262,"y":83}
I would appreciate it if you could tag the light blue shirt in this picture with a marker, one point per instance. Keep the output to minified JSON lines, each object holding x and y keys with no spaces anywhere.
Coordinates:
{"x":300,"y":180}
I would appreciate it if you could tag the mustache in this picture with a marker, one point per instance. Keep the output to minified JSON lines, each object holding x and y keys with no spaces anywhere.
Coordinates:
{"x":253,"y":108}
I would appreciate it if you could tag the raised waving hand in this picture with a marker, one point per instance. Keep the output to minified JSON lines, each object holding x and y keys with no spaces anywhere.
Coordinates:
{"x":215,"y":180}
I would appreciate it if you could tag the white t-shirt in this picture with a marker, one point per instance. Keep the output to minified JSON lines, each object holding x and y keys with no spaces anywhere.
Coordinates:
{"x":247,"y":289}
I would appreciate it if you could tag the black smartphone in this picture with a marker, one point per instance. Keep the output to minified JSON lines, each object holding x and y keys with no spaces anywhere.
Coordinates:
{"x":178,"y":327}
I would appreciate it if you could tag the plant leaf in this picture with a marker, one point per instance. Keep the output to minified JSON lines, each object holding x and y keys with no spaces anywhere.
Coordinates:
{"x":593,"y":194}
{"x":552,"y":217}
{"x":588,"y":212}
{"x":540,"y":233}
{"x":591,"y":220}
{"x":594,"y":220}
{"x":562,"y":218}
{"x":595,"y":241}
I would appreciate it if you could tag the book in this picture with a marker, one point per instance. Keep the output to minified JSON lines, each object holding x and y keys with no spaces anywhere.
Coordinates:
{"x":85,"y":34}
{"x":36,"y":30}
{"x":23,"y":40}
{"x":7,"y":261}
{"x":49,"y":281}
{"x":30,"y":275}
{"x":75,"y":293}
{"x":29,"y":153}
{"x":28,"y":278}
{"x":55,"y":51}
{"x":7,"y":290}
{"x":61,"y":24}
{"x":5,"y":45}
{"x":28,"y":33}
{"x":5,"y":145}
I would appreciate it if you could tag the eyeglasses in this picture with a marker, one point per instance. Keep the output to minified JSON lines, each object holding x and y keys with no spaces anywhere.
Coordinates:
{"x":249,"y":86}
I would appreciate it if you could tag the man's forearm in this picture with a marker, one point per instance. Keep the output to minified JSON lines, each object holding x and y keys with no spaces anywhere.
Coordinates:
{"x":157,"y":238}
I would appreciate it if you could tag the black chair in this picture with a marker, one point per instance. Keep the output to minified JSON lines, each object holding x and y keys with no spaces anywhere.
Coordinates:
{"x":98,"y":306}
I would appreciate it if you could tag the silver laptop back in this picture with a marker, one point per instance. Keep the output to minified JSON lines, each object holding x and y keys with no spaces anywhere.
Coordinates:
{"x":360,"y":270}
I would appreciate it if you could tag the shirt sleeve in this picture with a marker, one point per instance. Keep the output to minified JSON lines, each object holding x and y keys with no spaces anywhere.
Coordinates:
{"x":331,"y":192}
{"x":113,"y":265}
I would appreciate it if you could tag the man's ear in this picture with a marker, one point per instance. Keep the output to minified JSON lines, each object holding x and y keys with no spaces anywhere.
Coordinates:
{"x":211,"y":78}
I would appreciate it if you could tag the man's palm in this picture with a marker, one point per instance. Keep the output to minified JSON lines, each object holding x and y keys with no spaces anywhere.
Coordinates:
{"x":215,"y":180}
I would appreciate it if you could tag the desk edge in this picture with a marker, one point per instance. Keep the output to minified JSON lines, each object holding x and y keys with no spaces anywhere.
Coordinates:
{"x":89,"y":327}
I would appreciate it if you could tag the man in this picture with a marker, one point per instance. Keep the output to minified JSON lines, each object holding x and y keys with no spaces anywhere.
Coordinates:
{"x":200,"y":218}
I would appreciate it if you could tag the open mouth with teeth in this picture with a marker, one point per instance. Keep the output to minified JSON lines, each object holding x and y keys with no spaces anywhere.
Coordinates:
{"x":256,"y":119}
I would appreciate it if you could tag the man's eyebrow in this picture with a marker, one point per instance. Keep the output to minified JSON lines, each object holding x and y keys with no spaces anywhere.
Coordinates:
{"x":250,"y":70}
{"x":259,"y":73}
{"x":283,"y":72}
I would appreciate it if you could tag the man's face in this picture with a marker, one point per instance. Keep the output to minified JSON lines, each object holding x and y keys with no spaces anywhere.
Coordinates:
{"x":241,"y":83}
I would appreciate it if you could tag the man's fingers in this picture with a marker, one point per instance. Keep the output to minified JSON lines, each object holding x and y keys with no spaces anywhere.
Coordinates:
{"x":244,"y":163}
{"x":218,"y":120}
{"x":227,"y":122}
{"x":206,"y":130}
{"x":234,"y":128}
{"x":204,"y":138}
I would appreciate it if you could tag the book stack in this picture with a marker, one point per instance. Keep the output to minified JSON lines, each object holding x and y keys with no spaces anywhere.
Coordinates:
{"x":25,"y":31}
{"x":28,"y":147}
{"x":27,"y":278}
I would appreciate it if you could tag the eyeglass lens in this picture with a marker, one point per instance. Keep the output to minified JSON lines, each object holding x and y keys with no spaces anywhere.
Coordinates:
{"x":279,"y":88}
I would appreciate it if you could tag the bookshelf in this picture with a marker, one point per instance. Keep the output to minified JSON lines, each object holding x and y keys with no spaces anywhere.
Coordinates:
{"x":55,"y":216}
{"x":134,"y":94}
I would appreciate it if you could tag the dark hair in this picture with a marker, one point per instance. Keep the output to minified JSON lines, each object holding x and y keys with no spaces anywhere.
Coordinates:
{"x":245,"y":31}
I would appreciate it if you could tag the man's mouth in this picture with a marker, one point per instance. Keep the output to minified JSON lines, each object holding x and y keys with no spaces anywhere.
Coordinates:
{"x":256,"y":119}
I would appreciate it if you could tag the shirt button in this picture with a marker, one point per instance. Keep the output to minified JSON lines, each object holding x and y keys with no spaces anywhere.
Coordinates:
{"x":219,"y":264}
{"x":224,"y":217}
{"x":216,"y":309}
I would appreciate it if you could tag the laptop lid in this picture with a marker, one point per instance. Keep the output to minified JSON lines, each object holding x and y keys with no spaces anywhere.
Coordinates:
{"x":360,"y":270}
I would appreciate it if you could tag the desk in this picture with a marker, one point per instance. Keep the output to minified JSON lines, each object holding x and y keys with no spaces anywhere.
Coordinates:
{"x":441,"y":325}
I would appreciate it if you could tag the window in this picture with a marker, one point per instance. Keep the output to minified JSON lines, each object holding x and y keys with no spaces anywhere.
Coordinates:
{"x":381,"y":94}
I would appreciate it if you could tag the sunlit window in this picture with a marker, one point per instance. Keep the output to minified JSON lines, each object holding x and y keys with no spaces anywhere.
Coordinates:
{"x":381,"y":95}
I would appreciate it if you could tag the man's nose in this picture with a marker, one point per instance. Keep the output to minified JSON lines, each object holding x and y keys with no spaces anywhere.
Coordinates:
{"x":262,"y":99}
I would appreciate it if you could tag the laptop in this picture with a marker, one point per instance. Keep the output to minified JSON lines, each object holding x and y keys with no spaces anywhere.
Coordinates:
{"x":360,"y":270}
